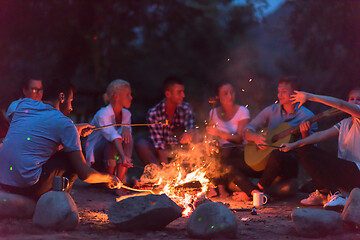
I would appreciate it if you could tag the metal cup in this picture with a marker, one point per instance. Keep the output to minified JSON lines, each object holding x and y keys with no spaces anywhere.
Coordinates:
{"x":60,"y":183}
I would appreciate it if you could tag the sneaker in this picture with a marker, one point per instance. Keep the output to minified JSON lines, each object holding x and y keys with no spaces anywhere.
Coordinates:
{"x":315,"y":198}
{"x":336,"y":202}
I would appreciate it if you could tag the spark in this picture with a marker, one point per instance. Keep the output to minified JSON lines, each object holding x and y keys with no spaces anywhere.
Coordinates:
{"x":250,"y":80}
{"x":185,"y":131}
{"x":212,"y":226}
{"x":246,"y":105}
{"x":28,"y":139}
{"x":276,"y":101}
{"x":10,"y":168}
{"x":26,"y":111}
{"x":197,"y":127}
{"x":243,"y":90}
{"x":228,"y":59}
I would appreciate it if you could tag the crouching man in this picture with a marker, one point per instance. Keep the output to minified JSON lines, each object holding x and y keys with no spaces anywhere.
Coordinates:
{"x":29,"y":158}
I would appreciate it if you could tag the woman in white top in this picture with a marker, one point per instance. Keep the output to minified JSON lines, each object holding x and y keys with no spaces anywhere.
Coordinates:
{"x":109,"y":149}
{"x":227,"y":122}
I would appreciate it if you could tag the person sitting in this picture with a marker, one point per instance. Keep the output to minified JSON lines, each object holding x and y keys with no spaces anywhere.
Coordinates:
{"x":331,"y":174}
{"x":179,"y":130}
{"x":227,"y":125}
{"x":279,"y":164}
{"x":109,"y":149}
{"x":29,"y":156}
{"x":30,"y":88}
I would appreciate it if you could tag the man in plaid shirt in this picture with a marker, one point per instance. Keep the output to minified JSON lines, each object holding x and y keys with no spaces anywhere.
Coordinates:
{"x":180,"y":127}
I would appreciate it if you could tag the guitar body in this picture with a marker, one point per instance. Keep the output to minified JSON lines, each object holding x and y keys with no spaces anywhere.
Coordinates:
{"x":256,"y":158}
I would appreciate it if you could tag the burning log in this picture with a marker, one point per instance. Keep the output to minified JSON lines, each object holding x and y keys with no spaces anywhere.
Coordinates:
{"x":193,"y":185}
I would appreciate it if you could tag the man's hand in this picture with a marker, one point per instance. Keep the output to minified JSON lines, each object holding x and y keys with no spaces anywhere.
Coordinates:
{"x":260,"y":141}
{"x":305,"y":128}
{"x":126,"y":135}
{"x":285,"y":147}
{"x":300,"y":97}
{"x":186,"y":138}
{"x":114,"y":182}
{"x":84,"y":129}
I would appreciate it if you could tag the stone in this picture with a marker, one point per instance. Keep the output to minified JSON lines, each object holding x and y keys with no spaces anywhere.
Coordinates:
{"x":351,"y":212}
{"x":150,"y":212}
{"x":56,"y":210}
{"x":212,"y":220}
{"x":16,"y":206}
{"x":316,"y":222}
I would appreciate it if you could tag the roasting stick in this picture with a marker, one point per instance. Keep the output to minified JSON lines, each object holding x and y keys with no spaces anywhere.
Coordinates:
{"x":130,"y":125}
{"x":213,"y":102}
{"x":136,"y":190}
{"x":253,"y":144}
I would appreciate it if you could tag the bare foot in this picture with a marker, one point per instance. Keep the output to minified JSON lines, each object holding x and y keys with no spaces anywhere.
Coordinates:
{"x":240,"y":196}
{"x":222,"y":191}
{"x":212,"y":193}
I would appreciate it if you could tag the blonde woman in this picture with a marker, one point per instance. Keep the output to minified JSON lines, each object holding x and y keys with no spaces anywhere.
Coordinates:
{"x":109,"y":149}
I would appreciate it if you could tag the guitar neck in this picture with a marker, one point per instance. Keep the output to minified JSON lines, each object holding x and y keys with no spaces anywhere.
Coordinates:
{"x":295,"y":129}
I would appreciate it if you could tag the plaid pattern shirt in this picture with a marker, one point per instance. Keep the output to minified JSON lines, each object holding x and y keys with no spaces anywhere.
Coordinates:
{"x":164,"y":135}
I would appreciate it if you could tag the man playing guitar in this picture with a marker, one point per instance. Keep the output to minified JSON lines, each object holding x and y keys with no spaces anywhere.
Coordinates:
{"x":278,"y":163}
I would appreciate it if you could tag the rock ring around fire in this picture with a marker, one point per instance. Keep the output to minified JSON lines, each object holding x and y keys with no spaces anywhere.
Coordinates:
{"x":211,"y":220}
{"x":150,"y":212}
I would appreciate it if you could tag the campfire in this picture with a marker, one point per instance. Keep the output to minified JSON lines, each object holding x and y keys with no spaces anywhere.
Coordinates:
{"x":187,"y":176}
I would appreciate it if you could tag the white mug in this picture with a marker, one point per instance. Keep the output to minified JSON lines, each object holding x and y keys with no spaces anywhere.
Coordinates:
{"x":259,"y":199}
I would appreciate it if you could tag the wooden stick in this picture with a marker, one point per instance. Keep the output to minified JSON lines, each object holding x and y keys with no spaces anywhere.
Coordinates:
{"x":261,"y":145}
{"x":136,"y":190}
{"x":130,"y":125}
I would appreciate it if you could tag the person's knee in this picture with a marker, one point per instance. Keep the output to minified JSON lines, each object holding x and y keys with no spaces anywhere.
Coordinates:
{"x":275,"y":157}
{"x":142,"y":145}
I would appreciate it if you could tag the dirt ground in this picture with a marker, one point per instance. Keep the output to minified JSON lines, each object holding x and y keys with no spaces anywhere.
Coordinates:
{"x":272,"y":222}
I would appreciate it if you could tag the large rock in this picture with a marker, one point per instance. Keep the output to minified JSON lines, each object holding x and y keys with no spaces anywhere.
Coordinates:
{"x":316,"y":222}
{"x":351,"y":212}
{"x":211,"y":220}
{"x":16,"y":206}
{"x":56,"y":210}
{"x":150,"y":212}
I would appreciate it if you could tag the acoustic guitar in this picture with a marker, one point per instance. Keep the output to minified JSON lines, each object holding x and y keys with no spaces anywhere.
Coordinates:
{"x":284,"y":133}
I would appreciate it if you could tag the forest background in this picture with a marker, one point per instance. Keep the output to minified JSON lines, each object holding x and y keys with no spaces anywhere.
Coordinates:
{"x":203,"y":42}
